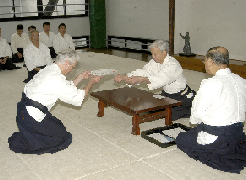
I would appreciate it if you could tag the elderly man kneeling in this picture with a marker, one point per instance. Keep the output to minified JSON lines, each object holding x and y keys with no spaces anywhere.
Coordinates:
{"x":40,"y":132}
{"x":219,"y":110}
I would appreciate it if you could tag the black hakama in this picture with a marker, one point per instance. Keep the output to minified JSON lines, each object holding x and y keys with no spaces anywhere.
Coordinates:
{"x":15,"y":57}
{"x":52,"y":52}
{"x":47,"y":136}
{"x":184,"y":110}
{"x":9,"y":65}
{"x":227,"y":153}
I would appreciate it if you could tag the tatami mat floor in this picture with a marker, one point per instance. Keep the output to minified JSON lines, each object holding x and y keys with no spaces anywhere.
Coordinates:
{"x":102,"y":148}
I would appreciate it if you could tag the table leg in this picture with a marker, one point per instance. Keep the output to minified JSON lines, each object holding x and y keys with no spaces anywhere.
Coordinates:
{"x":100,"y":108}
{"x":135,"y":124}
{"x":168,"y":118}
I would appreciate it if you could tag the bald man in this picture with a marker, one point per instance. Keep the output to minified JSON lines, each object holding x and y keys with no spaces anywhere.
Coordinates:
{"x":219,"y":110}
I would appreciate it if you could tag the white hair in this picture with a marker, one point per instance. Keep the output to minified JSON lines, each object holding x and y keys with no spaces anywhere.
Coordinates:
{"x":160,"y":44}
{"x":30,"y":32}
{"x":70,"y":55}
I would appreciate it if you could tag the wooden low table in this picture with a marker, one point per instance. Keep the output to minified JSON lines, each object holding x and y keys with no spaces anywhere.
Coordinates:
{"x":136,"y":102}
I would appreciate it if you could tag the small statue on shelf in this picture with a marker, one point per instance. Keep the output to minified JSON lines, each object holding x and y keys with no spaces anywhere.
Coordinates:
{"x":187,"y":48}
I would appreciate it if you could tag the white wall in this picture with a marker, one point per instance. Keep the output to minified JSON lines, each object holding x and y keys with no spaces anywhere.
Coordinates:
{"x":212,"y":23}
{"x":209,"y":22}
{"x":77,"y":26}
{"x":138,"y":18}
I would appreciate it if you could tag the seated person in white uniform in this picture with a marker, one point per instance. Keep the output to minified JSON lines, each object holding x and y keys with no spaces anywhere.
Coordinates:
{"x":28,"y":41}
{"x":47,"y":37}
{"x":219,"y":110}
{"x":63,"y":41}
{"x":163,"y":71}
{"x":5,"y":55}
{"x":37,"y":55}
{"x":18,"y":42}
{"x":39,"y":131}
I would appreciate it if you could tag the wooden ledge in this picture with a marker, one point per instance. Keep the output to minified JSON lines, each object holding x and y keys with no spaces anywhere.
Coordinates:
{"x":196,"y":64}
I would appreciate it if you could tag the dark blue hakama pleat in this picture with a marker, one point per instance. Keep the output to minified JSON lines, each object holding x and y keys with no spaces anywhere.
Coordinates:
{"x":183,"y":111}
{"x":227,"y":153}
{"x":47,"y":136}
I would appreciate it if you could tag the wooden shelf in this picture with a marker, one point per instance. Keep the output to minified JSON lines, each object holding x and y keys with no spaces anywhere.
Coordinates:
{"x":196,"y":64}
{"x":191,"y":63}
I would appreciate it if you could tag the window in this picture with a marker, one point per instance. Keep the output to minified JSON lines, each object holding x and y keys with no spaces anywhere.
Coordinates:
{"x":12,"y":10}
{"x":25,"y":8}
{"x":74,"y":7}
{"x":6,"y":9}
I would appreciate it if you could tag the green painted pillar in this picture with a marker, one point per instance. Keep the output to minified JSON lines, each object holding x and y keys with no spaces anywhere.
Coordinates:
{"x":97,"y":17}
